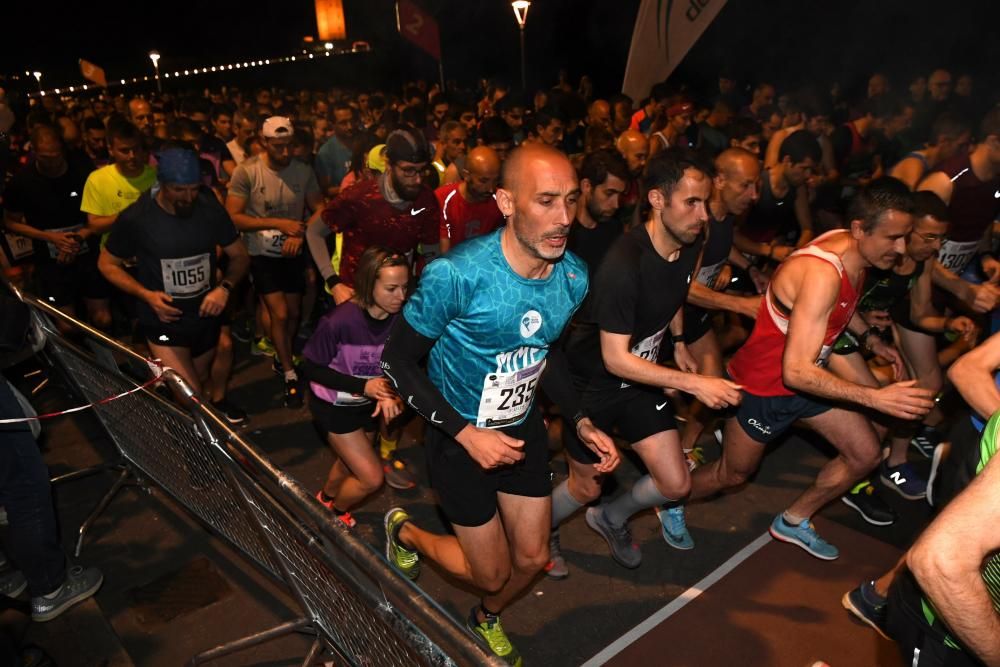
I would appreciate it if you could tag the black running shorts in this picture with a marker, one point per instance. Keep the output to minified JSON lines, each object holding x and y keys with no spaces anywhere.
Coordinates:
{"x":634,"y":413}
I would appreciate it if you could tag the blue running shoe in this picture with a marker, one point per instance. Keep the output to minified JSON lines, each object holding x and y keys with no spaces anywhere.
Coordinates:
{"x":867,"y":606}
{"x":803,"y":535}
{"x":673,"y":527}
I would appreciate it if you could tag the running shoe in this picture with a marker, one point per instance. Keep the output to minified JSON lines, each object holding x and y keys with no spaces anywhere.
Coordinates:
{"x":293,"y":397}
{"x":397,"y":475}
{"x":556,"y":567}
{"x":619,"y":538}
{"x":803,"y":535}
{"x":926,"y":440}
{"x":262,"y":346}
{"x":904,"y":480}
{"x":241,"y":332}
{"x":13,"y":583}
{"x":941,"y":453}
{"x":232,"y":413}
{"x":864,"y":500}
{"x":491,"y":632}
{"x":345,"y":517}
{"x":867,"y":606}
{"x":80,"y":584}
{"x":407,"y":561}
{"x":673,"y":527}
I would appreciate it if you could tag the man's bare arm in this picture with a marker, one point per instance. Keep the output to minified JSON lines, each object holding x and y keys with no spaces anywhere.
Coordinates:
{"x":972,"y":375}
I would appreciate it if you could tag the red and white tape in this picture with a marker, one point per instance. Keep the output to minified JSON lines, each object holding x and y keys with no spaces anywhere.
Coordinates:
{"x":154,"y":366}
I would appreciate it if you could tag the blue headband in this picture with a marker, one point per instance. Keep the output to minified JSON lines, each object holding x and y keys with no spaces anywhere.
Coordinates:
{"x":178,"y":166}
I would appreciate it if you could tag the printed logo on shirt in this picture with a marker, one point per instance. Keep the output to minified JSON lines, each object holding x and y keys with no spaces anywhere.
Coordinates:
{"x":417,"y":211}
{"x":531,"y":322}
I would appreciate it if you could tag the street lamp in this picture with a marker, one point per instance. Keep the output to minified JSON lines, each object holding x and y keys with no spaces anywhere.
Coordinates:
{"x":521,"y":8}
{"x":155,"y":57}
{"x":38,"y":77}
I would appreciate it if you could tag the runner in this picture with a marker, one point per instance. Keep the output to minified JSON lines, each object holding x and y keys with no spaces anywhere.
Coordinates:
{"x":268,"y":197}
{"x":469,"y":207}
{"x":949,"y":135}
{"x":345,"y":381}
{"x":173,"y":234}
{"x":489,"y":313}
{"x":636,"y":303}
{"x":809,"y":303}
{"x":113,"y":188}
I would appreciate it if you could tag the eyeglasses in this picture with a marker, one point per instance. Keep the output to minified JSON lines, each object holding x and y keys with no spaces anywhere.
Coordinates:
{"x":932,"y":238}
{"x":410,"y":172}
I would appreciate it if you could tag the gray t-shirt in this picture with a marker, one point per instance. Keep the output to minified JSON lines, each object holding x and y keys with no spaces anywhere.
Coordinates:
{"x":272,"y":194}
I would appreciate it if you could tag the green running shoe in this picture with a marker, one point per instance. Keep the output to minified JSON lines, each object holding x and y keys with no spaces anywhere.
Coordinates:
{"x":407,"y":561}
{"x":492,"y":633}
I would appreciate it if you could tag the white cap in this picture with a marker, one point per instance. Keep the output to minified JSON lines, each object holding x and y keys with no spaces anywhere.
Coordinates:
{"x":276,"y":127}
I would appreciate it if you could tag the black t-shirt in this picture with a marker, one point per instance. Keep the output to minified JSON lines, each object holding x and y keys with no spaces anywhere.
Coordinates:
{"x":635,"y":292}
{"x":173,"y":254}
{"x":590,"y":245}
{"x":49,"y":203}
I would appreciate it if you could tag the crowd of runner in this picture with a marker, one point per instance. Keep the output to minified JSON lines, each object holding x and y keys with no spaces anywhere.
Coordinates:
{"x":631,"y":273}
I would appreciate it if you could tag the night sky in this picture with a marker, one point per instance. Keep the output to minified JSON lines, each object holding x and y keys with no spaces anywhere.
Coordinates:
{"x":795,"y":43}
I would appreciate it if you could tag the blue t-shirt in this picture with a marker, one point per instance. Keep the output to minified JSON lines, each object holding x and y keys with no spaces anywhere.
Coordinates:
{"x":333,"y":161}
{"x":493,"y":328}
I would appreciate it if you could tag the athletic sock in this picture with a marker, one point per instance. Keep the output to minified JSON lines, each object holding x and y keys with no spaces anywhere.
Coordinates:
{"x":643,"y":495}
{"x":791,"y":519}
{"x":386,"y":446}
{"x":563,"y":504}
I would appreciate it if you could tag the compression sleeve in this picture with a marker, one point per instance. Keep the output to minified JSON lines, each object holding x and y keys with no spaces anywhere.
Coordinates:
{"x":400,"y":362}
{"x":316,"y":234}
{"x":557,"y":383}
{"x":333,"y":379}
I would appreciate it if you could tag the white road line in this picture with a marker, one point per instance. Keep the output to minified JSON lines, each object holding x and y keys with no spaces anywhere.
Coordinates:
{"x":678,"y":603}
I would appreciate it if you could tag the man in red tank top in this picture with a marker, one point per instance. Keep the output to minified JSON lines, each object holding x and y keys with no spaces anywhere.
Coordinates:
{"x":781,"y":368}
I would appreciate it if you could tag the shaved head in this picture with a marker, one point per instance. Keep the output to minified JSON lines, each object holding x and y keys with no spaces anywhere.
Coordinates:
{"x":634,"y":147}
{"x":481,"y":173}
{"x":482,"y":159}
{"x":733,"y":159}
{"x":737,"y":174}
{"x":600,"y":113}
{"x":528,"y":160}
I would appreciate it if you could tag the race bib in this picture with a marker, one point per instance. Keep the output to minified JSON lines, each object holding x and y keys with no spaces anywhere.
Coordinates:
{"x":267,"y":243}
{"x":54,"y":249}
{"x":955,"y":256}
{"x":20,"y":246}
{"x":507,"y":397}
{"x":186,"y":277}
{"x":649,"y":348}
{"x":707,"y":275}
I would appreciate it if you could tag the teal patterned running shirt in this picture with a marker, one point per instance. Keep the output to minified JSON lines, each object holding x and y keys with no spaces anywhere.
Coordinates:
{"x":493,"y":328}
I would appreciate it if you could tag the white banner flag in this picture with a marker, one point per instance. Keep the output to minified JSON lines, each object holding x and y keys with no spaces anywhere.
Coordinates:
{"x":665,"y":30}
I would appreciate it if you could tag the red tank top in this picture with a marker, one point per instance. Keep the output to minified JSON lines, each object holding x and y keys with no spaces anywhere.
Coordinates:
{"x":757,"y":365}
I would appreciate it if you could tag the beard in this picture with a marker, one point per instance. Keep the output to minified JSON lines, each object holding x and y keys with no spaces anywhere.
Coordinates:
{"x":184,"y":209}
{"x":405,"y":192}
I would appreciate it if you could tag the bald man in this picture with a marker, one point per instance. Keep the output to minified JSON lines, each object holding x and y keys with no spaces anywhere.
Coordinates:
{"x":599,"y":114}
{"x":634,"y":147}
{"x":489,"y":314}
{"x":468,"y":207}
{"x":140,"y":114}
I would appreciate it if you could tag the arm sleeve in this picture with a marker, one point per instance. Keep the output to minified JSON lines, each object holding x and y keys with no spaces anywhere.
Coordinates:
{"x":328,"y":377}
{"x":316,"y":235}
{"x":400,"y":363}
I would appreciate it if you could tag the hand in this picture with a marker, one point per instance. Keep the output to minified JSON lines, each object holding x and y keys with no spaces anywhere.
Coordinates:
{"x":292,"y":246}
{"x":876,"y":318}
{"x":890,"y":354}
{"x":715,"y":393}
{"x":903,"y":399}
{"x":65,"y":242}
{"x":684,"y":359}
{"x":214,"y":302}
{"x":290,"y":227}
{"x":389,"y":408}
{"x":342,"y":293}
{"x":780,"y":253}
{"x":751,"y":306}
{"x":962,"y":326}
{"x":379,"y":389}
{"x":65,"y":258}
{"x":490,"y":448}
{"x":599,"y":443}
{"x":722,"y":280}
{"x":991,"y":269}
{"x":984,"y":297}
{"x":160,"y":303}
{"x":760,"y":280}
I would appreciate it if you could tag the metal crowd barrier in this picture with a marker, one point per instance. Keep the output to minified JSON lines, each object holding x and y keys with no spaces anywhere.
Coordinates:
{"x":358,"y":608}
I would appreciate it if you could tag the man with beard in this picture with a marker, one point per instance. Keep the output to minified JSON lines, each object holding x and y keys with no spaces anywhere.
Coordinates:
{"x":469,"y":207}
{"x":113,"y":188}
{"x":488,"y":316}
{"x":42,"y":203}
{"x":615,"y":347}
{"x":268,"y":197}
{"x":173,"y":235}
{"x":782,"y":370}
{"x":634,"y":147}
{"x":396,"y":210}
{"x":333,"y":159}
{"x":603,"y":179}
